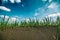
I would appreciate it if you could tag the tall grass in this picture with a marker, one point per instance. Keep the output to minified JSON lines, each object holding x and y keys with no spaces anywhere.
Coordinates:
{"x":46,"y":22}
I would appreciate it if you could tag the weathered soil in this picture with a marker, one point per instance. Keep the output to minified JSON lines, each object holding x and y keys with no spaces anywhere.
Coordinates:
{"x":49,"y":33}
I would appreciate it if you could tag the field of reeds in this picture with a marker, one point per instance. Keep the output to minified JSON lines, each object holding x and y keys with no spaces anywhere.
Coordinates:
{"x":31,"y":23}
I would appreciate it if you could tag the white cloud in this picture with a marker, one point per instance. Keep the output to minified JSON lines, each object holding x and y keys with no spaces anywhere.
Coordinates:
{"x":6,"y":17}
{"x":47,"y":9}
{"x":2,"y":16}
{"x":36,"y":14}
{"x":52,"y":5}
{"x":5,"y":9}
{"x":27,"y":19}
{"x":44,"y":0}
{"x":12,"y":1}
{"x":53,"y":15}
{"x":13,"y":19}
{"x":50,"y":0}
{"x":18,"y":1}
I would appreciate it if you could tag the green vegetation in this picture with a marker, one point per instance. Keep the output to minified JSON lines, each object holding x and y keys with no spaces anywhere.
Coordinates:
{"x":46,"y":22}
{"x":31,"y":23}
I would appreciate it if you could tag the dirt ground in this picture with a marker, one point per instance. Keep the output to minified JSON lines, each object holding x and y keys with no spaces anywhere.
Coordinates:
{"x":49,"y":33}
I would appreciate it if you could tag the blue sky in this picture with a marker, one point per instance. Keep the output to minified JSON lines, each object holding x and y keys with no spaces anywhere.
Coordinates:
{"x":30,"y":8}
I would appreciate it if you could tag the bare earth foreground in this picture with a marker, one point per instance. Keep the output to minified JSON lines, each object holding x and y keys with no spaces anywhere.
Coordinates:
{"x":49,"y":33}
